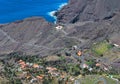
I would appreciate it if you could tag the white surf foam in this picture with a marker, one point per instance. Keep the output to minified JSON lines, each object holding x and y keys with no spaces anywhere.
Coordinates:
{"x":51,"y":13}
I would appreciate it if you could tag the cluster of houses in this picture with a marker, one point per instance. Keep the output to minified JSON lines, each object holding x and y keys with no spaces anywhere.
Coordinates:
{"x":54,"y":72}
{"x":100,"y":65}
{"x":85,"y":65}
{"x":24,"y":67}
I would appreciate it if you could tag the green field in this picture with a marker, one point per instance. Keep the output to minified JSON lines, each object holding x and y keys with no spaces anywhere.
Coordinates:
{"x":101,"y":48}
{"x":96,"y":79}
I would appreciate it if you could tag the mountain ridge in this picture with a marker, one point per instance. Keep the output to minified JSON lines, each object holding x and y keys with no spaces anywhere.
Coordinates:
{"x":88,"y":10}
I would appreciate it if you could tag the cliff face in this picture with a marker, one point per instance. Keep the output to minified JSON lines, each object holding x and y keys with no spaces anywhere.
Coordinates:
{"x":87,"y":10}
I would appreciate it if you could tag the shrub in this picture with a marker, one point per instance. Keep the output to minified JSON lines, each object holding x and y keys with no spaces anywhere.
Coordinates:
{"x":101,"y":48}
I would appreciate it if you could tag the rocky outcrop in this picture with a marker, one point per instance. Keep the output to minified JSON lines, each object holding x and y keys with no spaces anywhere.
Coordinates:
{"x":88,"y":10}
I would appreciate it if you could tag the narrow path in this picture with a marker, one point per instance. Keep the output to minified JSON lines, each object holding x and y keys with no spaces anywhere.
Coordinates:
{"x":64,"y":32}
{"x":83,"y":23}
{"x":7,"y":36}
{"x":77,"y":82}
{"x":81,"y":40}
{"x":69,"y":26}
{"x":117,"y":81}
{"x":40,"y":46}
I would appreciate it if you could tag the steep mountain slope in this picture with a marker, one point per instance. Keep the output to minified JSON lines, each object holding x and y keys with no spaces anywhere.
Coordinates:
{"x":32,"y":36}
{"x":87,"y":10}
{"x":37,"y":36}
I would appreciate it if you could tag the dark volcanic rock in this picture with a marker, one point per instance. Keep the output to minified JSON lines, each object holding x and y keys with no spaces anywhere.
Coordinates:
{"x":87,"y":10}
{"x":37,"y":36}
{"x":90,"y":31}
{"x":33,"y":36}
{"x":22,"y":35}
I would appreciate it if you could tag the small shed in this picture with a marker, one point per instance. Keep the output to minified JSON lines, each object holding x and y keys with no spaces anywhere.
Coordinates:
{"x":59,"y":27}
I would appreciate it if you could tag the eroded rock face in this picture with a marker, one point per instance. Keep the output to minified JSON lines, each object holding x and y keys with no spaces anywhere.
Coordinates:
{"x":37,"y":36}
{"x":87,"y":10}
{"x":19,"y":33}
{"x":32,"y":36}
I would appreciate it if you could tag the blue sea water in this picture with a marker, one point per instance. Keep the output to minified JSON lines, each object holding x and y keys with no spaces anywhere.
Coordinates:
{"x":12,"y":10}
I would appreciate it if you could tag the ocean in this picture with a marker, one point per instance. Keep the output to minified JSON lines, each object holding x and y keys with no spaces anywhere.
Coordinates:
{"x":12,"y":10}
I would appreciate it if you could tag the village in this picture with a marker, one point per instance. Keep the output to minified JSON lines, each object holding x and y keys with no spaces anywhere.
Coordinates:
{"x":67,"y":67}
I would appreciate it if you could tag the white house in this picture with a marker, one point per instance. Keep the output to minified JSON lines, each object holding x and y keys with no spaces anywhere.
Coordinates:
{"x":59,"y":27}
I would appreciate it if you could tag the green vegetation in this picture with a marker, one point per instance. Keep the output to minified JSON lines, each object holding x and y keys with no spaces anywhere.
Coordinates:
{"x":117,"y":76}
{"x":64,"y":71}
{"x":101,"y":48}
{"x":91,"y":63}
{"x":90,"y":79}
{"x":110,"y":81}
{"x":96,"y":79}
{"x":62,"y":58}
{"x":12,"y":74}
{"x":73,"y":69}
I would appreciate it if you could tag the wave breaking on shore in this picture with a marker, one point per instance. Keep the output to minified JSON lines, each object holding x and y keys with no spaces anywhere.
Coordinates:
{"x":52,"y":13}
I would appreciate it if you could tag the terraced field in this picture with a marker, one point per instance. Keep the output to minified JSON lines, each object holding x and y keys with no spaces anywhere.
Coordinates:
{"x":96,"y":79}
